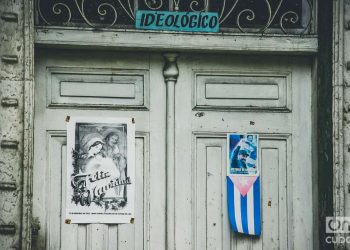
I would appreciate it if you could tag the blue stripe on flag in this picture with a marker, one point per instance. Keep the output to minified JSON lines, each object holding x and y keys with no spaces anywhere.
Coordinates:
{"x":231,"y":203}
{"x":244,"y":214}
{"x":257,"y":222}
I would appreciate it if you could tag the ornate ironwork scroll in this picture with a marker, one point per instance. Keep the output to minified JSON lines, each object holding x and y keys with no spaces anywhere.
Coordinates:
{"x":246,"y":16}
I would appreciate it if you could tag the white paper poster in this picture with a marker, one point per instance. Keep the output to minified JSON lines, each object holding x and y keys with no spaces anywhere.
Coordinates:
{"x":100,"y":170}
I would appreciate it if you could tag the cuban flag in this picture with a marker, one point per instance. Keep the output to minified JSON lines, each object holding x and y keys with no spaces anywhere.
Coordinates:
{"x":243,"y":199}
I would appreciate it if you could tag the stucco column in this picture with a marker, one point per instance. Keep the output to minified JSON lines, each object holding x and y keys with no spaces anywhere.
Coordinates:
{"x":16,"y":88}
{"x":170,"y":73}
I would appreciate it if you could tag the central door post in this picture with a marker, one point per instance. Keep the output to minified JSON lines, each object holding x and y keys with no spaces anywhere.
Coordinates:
{"x":170,"y":73}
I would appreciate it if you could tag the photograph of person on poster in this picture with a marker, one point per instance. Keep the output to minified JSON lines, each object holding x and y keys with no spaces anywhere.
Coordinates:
{"x":242,"y":154}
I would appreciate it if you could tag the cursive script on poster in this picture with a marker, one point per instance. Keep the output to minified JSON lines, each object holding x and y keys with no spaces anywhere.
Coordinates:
{"x":96,"y":187}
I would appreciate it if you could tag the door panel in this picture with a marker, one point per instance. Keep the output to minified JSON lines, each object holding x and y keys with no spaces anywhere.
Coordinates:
{"x":238,"y":90}
{"x":63,"y":236}
{"x":212,"y":229}
{"x":104,"y":87}
{"x":210,"y":210}
{"x":270,"y":96}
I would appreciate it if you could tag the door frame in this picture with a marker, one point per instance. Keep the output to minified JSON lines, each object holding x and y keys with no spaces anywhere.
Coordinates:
{"x":322,"y":121}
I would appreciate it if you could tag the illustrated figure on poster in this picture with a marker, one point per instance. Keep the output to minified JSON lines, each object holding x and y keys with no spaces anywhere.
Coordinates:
{"x":243,"y":155}
{"x":112,"y":151}
{"x":100,"y":170}
{"x":100,"y":158}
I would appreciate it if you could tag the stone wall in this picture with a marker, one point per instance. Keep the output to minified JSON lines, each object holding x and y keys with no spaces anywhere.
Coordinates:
{"x":16,"y":56}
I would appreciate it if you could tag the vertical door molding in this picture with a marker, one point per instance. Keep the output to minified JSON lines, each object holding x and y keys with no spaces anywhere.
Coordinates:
{"x":28,"y":117}
{"x":340,"y":121}
{"x":170,"y":73}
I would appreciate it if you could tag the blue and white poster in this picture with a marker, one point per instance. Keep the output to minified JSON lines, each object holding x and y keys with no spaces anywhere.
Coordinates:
{"x":243,"y":154}
{"x":243,"y":183}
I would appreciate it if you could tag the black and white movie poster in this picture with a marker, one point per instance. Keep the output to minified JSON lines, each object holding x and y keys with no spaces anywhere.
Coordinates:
{"x":100,"y":170}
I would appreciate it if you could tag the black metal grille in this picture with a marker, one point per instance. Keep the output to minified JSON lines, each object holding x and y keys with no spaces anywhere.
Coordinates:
{"x":247,"y":16}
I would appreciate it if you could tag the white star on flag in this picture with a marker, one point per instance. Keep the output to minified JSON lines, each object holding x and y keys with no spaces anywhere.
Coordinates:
{"x":243,"y":181}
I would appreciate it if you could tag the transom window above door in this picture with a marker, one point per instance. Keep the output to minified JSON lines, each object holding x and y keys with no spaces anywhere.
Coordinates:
{"x":293,"y":17}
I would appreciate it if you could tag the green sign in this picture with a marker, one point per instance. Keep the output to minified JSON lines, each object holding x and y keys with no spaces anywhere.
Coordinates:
{"x":177,"y":21}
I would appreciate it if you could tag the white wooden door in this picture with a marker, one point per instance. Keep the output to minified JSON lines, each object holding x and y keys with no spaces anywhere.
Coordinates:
{"x":267,"y":95}
{"x":103,"y":84}
{"x":214,"y":95}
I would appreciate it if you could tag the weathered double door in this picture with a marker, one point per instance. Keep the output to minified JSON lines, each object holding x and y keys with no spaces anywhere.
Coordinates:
{"x":214,"y":95}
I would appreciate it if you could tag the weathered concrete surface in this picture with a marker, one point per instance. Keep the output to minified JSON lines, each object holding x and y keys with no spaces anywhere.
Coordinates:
{"x":341,"y":111}
{"x":345,"y":50}
{"x":13,"y":44}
